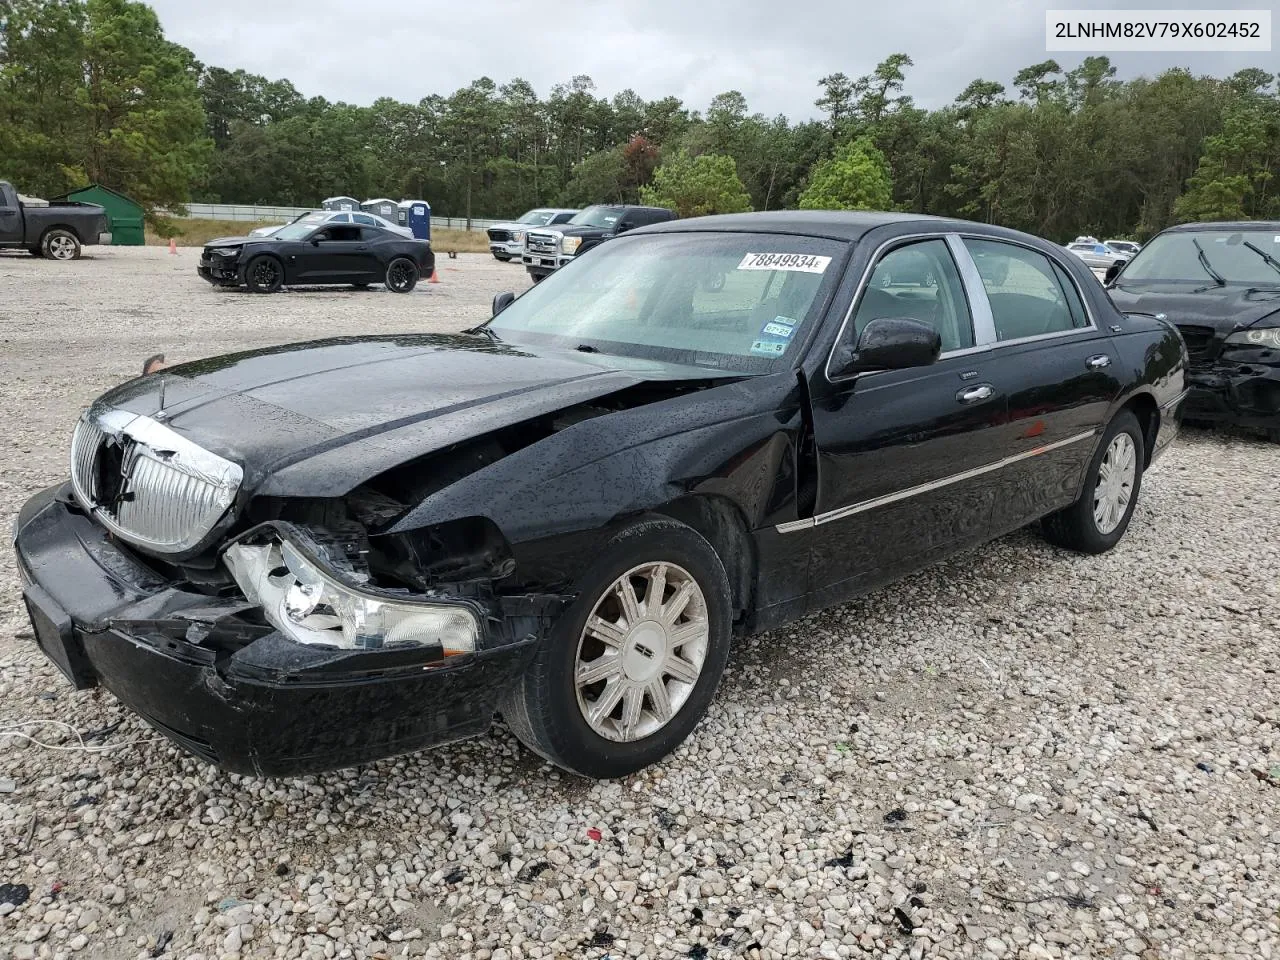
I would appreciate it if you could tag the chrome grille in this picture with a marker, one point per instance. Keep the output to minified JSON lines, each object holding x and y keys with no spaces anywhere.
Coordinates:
{"x":147,"y":483}
{"x":543,"y":242}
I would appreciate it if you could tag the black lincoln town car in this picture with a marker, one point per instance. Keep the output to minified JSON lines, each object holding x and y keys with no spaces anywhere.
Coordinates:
{"x":315,"y":555}
{"x":1219,"y":283}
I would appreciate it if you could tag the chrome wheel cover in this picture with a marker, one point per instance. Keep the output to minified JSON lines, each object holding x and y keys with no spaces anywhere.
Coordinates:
{"x":641,"y":652}
{"x":61,"y":248}
{"x":1116,"y":475}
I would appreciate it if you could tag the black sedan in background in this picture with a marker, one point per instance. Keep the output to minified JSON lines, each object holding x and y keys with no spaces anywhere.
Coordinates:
{"x":311,"y":556}
{"x":1220,"y":284}
{"x":311,"y":251}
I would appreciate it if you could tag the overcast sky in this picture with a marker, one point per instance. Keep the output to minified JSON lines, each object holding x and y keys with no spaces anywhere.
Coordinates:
{"x":772,"y":51}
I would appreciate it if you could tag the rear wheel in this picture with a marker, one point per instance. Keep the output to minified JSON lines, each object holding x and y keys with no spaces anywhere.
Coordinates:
{"x":1096,"y":522}
{"x":630,"y":667}
{"x":402,"y":275}
{"x":60,"y":244}
{"x":264,"y":274}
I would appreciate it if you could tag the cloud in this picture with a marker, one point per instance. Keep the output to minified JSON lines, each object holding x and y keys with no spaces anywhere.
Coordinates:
{"x":773,"y":52}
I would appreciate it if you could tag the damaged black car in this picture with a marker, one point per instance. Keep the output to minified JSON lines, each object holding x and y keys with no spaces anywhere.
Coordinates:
{"x":1219,"y":283}
{"x":316,"y":555}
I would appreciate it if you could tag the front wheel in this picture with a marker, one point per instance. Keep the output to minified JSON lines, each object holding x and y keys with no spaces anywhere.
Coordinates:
{"x":504,"y":257}
{"x":60,"y":245}
{"x":402,"y":275}
{"x":264,"y":274}
{"x":1096,"y":522}
{"x":631,"y":666}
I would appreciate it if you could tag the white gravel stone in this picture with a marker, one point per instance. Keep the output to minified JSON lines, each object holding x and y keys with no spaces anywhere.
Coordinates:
{"x":1031,"y":712}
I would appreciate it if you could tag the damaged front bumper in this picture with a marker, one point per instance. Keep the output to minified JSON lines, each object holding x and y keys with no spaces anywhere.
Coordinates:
{"x":212,"y":675}
{"x":1241,"y":387}
{"x":221,"y":271}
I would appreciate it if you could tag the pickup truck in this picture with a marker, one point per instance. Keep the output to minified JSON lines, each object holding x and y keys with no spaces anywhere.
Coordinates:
{"x":550,"y":248}
{"x":56,"y":230}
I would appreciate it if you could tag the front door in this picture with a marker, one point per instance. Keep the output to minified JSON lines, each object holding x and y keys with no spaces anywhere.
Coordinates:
{"x":904,"y":454}
{"x":341,"y":254}
{"x":1059,"y":370}
{"x":10,"y":217}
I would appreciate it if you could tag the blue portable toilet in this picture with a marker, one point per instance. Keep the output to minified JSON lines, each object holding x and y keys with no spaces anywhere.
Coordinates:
{"x":341,"y":203}
{"x":416,"y":215}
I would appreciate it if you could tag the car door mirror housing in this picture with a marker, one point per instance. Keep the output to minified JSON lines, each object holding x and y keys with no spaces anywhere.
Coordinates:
{"x":501,"y":301}
{"x":623,"y":226}
{"x":1113,"y":271}
{"x":888,"y":343}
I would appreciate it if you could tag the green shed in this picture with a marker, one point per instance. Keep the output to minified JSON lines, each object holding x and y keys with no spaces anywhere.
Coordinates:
{"x":123,"y":214}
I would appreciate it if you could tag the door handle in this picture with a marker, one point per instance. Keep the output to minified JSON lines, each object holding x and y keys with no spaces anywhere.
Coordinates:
{"x":1098,"y":362}
{"x":982,"y":391}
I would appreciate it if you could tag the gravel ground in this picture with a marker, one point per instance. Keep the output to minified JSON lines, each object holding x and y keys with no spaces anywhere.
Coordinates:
{"x":1019,"y":753}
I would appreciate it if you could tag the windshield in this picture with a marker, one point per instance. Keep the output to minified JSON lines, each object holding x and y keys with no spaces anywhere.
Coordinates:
{"x":597,"y":217}
{"x":537,"y":218}
{"x":1204,"y":256}
{"x":737,"y":302}
{"x":297,"y":231}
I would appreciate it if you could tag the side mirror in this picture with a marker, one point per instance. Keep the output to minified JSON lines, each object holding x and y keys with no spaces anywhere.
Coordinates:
{"x":501,"y":301}
{"x":889,"y":343}
{"x":315,"y":241}
{"x":1113,"y":271}
{"x":623,"y":226}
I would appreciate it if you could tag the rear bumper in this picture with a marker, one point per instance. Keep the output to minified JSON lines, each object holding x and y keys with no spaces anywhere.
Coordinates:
{"x":104,"y":239}
{"x":1240,"y":388}
{"x":267,"y":706}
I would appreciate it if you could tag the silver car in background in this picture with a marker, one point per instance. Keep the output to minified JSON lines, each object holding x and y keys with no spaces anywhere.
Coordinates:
{"x":1096,"y":254}
{"x":339,"y":216}
{"x":1128,"y":247}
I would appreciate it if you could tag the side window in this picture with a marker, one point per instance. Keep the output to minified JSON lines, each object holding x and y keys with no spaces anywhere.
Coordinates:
{"x":920,"y":281}
{"x":1079,"y":318}
{"x":364,"y":220}
{"x":338,"y":233}
{"x":1025,"y":291}
{"x":562,"y":218}
{"x":341,"y":218}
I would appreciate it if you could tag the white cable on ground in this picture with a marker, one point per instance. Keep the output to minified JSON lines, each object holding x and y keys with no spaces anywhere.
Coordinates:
{"x":81,"y":747}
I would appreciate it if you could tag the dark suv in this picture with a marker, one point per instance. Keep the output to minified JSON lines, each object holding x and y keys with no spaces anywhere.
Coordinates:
{"x":548,"y":249}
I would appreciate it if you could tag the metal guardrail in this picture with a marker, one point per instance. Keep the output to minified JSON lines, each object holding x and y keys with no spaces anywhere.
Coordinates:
{"x":261,"y":213}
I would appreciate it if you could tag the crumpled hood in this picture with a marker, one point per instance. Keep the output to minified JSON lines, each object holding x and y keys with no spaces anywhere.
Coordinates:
{"x":1224,"y":308}
{"x":357,"y":406}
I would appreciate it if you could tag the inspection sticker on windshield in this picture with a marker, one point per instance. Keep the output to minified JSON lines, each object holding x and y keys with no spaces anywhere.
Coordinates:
{"x":778,"y":330}
{"x":798,"y":262}
{"x":769,"y":348}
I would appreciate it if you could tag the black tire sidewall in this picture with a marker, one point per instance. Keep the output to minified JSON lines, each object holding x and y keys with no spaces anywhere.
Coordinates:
{"x":248,"y":275}
{"x":1100,"y":542}
{"x":576,"y":745}
{"x":412,"y":283}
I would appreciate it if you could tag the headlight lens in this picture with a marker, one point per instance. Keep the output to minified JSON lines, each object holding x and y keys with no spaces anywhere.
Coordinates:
{"x":226,"y":252}
{"x":307,"y":604}
{"x":518,"y":236}
{"x":570,"y":244}
{"x":1264,"y":337}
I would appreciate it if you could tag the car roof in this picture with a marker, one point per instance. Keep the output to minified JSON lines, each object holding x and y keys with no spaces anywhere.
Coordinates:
{"x":830,"y":224}
{"x":1267,"y":226}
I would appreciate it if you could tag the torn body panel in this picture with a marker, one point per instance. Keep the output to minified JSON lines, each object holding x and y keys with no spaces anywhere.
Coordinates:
{"x":209,"y":673}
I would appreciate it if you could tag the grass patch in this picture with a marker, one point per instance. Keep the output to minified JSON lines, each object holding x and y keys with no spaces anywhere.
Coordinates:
{"x":196,"y":233}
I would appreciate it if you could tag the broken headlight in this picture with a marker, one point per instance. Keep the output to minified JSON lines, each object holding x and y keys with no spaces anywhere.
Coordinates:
{"x":308,"y":604}
{"x":1255,"y":337}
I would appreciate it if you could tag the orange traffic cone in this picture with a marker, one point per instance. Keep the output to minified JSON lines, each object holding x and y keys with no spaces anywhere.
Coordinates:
{"x":434,"y":278}
{"x":173,"y":245}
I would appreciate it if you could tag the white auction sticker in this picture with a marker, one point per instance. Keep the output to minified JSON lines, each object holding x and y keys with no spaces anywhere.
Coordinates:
{"x":799,"y":262}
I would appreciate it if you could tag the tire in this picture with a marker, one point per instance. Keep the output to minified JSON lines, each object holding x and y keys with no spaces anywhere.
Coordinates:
{"x":1078,"y":526}
{"x":1273,"y":434}
{"x":504,"y":257}
{"x":59,"y":244}
{"x":402,"y":275}
{"x":547,"y":709}
{"x":264,"y":274}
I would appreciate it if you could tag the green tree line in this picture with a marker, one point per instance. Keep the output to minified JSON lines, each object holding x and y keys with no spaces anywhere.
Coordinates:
{"x":90,"y":90}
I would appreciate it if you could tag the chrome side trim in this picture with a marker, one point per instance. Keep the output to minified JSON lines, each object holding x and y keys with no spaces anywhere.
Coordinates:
{"x":888,"y":498}
{"x":1176,"y":400}
{"x":984,"y":324}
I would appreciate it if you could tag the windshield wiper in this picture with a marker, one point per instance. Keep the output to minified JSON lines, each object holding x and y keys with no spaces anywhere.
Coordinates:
{"x":484,"y":329}
{"x":1208,"y":267}
{"x":1267,"y":258}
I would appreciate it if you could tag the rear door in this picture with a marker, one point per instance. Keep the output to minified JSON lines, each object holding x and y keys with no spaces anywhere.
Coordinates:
{"x":1058,"y":368}
{"x":903,"y":454}
{"x":10,"y":216}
